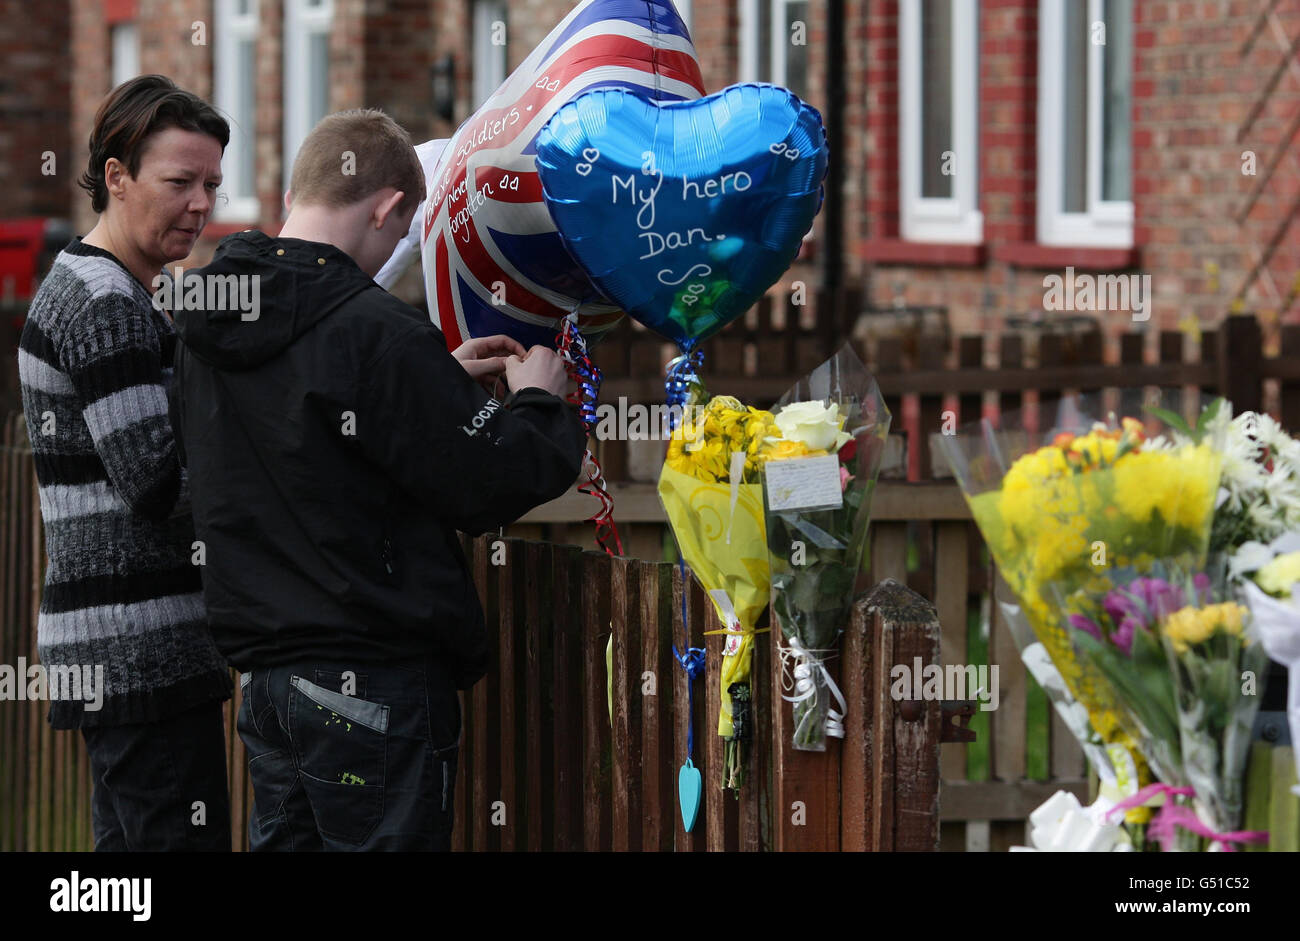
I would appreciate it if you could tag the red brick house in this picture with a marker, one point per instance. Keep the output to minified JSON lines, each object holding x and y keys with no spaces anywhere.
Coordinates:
{"x":978,"y":145}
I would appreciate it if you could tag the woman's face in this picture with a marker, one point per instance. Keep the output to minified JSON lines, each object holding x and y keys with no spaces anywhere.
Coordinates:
{"x":164,"y":209}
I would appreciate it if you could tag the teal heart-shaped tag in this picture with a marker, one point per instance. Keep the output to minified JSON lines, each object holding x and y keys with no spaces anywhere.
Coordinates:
{"x":690,"y":787}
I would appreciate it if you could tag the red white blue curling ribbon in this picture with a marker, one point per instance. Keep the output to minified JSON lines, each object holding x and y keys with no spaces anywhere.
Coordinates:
{"x":683,"y":372}
{"x":573,"y":350}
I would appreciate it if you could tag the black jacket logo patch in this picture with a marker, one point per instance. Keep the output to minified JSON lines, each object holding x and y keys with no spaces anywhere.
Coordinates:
{"x":481,"y":418}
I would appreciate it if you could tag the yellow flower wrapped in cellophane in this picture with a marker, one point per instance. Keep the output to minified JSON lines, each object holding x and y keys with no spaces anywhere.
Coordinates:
{"x":1063,"y":513}
{"x":721,"y":533}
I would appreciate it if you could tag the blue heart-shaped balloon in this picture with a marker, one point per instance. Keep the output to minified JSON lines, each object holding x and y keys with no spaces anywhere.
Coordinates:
{"x":683,"y":213}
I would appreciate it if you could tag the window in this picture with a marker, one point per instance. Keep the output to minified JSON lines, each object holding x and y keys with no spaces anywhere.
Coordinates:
{"x":489,"y":48}
{"x":686,"y":13}
{"x":125,"y":41}
{"x":774,"y":43}
{"x":1085,"y":62}
{"x":306,"y":72}
{"x":235,"y":65}
{"x":938,"y":81}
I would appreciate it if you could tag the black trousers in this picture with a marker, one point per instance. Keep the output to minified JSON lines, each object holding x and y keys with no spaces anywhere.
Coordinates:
{"x":351,"y":757}
{"x":161,"y":786}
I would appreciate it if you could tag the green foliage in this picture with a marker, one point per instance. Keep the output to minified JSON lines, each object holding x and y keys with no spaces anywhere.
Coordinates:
{"x":1179,"y":424}
{"x":1142,"y":681}
{"x":978,"y":766}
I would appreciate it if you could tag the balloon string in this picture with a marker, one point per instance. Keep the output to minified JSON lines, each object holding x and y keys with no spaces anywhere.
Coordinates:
{"x":606,"y":532}
{"x":692,"y":662}
{"x":683,"y":372}
{"x":572,"y":348}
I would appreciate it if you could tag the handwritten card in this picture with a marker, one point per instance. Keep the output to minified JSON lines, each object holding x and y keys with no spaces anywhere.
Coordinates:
{"x":804,"y":483}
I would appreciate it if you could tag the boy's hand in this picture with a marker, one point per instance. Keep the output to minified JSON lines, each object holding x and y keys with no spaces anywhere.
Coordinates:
{"x":539,"y":368}
{"x":484,"y":358}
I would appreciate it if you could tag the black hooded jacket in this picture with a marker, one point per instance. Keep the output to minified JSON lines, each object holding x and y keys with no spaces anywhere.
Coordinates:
{"x":334,"y":447}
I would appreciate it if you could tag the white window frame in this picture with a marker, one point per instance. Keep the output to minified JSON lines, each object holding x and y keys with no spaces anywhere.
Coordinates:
{"x":229,"y":82}
{"x":686,"y":11}
{"x":1106,"y":223}
{"x":301,"y":22}
{"x":780,"y":38}
{"x":777,"y":40}
{"x":749,"y":51}
{"x":124,"y":40}
{"x":491,"y":67}
{"x":956,"y":219}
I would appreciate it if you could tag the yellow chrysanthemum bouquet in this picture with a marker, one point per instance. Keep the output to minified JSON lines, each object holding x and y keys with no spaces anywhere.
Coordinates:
{"x":1063,"y":507}
{"x":710,"y":490}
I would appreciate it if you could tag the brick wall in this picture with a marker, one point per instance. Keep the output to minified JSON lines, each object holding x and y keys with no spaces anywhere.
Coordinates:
{"x":90,"y":76}
{"x":1206,"y":242}
{"x":176,"y":40}
{"x":170,"y":45}
{"x":351,"y":38}
{"x":269,"y":160}
{"x":399,"y":53}
{"x":1200,"y":105}
{"x":878,"y":93}
{"x":36,"y":104}
{"x":1008,"y":122}
{"x":1193,"y":90}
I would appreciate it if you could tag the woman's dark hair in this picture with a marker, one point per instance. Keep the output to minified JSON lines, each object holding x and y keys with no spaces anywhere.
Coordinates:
{"x":130,"y":114}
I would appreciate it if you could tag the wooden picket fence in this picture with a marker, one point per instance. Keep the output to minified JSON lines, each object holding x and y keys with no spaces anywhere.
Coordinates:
{"x":541,"y":765}
{"x":923,"y":374}
{"x":922,"y":537}
{"x":543,"y":758}
{"x":44,"y":774}
{"x":922,"y":534}
{"x":1024,"y":753}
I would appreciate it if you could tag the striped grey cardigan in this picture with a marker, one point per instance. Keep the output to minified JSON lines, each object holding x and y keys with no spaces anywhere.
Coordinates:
{"x":121,"y":590}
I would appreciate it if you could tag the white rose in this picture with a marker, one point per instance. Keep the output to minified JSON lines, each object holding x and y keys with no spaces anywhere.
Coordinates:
{"x":814,"y":424}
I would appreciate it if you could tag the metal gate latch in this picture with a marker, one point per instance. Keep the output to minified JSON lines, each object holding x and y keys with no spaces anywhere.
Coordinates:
{"x":957,"y":714}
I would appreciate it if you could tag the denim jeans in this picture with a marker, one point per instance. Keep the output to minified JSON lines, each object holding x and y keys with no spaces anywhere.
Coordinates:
{"x":351,"y":756}
{"x":161,"y":786}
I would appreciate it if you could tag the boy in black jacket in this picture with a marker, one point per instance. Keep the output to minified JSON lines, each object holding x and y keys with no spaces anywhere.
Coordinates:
{"x":334,"y":447}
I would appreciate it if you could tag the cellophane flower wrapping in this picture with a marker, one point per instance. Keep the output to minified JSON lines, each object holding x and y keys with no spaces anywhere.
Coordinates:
{"x":1273,"y":595}
{"x":1115,"y":781}
{"x":1114,"y":619}
{"x":1257,"y":526}
{"x":1218,"y":668}
{"x":717,"y":519}
{"x":820,"y":471}
{"x":1078,"y":496}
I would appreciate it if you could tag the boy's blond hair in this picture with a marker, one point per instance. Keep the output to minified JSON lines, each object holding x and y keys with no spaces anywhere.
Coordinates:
{"x":381,"y":155}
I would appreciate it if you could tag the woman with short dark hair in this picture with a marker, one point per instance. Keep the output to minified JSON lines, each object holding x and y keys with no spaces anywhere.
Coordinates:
{"x":123,"y":595}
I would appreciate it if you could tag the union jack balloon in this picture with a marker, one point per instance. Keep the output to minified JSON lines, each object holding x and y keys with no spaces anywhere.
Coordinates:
{"x":493,"y":260}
